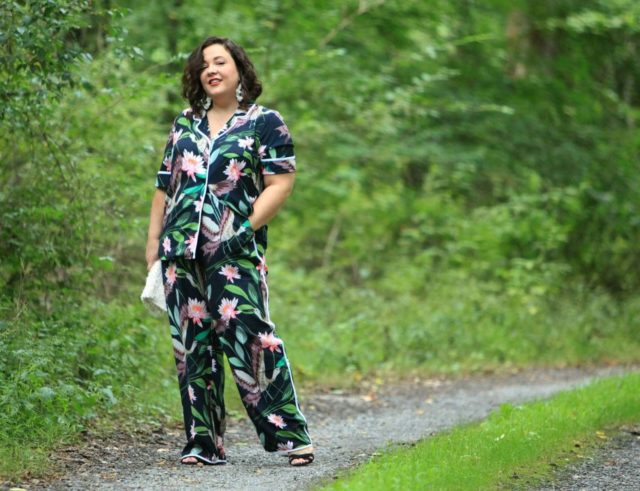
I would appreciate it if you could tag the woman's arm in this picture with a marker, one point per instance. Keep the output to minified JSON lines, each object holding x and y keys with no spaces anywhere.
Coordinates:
{"x":155,"y":227}
{"x":277,"y":188}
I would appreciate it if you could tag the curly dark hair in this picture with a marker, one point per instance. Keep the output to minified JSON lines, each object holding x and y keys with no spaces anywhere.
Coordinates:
{"x":192,"y":88}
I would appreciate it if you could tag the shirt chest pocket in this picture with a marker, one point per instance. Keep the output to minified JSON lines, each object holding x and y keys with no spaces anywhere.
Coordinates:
{"x":236,"y":160}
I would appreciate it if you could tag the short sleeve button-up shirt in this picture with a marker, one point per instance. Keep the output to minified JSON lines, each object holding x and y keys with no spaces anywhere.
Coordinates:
{"x":254,"y":142}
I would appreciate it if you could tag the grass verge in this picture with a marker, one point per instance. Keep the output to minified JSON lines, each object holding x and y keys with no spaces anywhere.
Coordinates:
{"x":515,"y":445}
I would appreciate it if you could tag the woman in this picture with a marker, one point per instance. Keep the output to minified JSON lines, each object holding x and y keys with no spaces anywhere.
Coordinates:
{"x":228,"y":167}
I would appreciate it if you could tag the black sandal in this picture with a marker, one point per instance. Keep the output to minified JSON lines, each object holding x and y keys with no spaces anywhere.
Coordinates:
{"x":201,"y":460}
{"x":306,"y":457}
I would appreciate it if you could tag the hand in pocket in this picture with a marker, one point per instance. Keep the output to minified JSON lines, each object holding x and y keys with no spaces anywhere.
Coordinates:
{"x":238,"y":242}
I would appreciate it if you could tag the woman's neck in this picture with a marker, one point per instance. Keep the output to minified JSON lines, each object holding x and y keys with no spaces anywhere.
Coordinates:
{"x":224,"y":106}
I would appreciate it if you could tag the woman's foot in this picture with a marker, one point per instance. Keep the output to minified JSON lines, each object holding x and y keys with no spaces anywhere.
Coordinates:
{"x":301,"y":457}
{"x":189,"y":460}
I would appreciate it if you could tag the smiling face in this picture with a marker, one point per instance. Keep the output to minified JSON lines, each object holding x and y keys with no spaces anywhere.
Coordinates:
{"x":219,"y":76}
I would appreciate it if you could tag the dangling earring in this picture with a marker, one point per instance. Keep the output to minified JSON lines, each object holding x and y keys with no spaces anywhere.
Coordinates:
{"x":239,"y":92}
{"x":206,"y":103}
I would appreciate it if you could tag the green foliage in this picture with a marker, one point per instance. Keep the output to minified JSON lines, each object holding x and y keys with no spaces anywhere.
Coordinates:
{"x":37,"y":61}
{"x":514,"y":441}
{"x":467,"y":193}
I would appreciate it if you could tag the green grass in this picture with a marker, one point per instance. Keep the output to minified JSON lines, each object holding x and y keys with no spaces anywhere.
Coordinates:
{"x":513,"y":440}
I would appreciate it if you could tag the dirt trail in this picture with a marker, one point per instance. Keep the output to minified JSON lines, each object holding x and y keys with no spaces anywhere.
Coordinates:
{"x":347,"y":429}
{"x":615,"y":465}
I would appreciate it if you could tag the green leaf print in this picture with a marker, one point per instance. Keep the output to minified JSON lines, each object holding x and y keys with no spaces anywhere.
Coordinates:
{"x":287,"y":434}
{"x":231,"y":154}
{"x":245,"y":307}
{"x":290,"y":408}
{"x":240,"y":351}
{"x":191,"y":226}
{"x":197,"y":414}
{"x":245,"y":263}
{"x":184,"y":121}
{"x":236,"y":362}
{"x":253,"y":294}
{"x":194,"y":189}
{"x":236,"y":290}
{"x":201,"y":336}
{"x":281,"y":362}
{"x":241,"y":336}
{"x":201,"y":430}
{"x":288,"y":393}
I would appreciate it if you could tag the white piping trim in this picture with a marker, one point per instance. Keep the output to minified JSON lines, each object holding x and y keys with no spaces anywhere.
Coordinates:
{"x":263,"y":277}
{"x":278,"y":158}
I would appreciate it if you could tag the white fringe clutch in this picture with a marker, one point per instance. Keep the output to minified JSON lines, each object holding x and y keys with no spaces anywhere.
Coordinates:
{"x":153,"y":293}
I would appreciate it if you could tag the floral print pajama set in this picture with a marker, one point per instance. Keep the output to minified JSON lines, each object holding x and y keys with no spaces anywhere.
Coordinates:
{"x":215,"y":278}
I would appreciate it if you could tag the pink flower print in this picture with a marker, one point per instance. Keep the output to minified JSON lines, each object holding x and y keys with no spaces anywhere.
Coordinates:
{"x":230,"y":272}
{"x":166,"y":244}
{"x":227,"y":308}
{"x":191,"y":243}
{"x":171,"y":274}
{"x":197,"y":311}
{"x":262,"y":267}
{"x":192,"y":394}
{"x":199,"y":204}
{"x":285,"y":447}
{"x":167,"y":163}
{"x":245,"y":142}
{"x":192,"y":164}
{"x":262,"y":151}
{"x":276,"y":420}
{"x":193,"y":430}
{"x":269,"y":341}
{"x":234,"y":169}
{"x":176,"y":136}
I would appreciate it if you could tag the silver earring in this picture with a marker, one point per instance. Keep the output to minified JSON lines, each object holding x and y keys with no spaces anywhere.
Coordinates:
{"x":239,"y":92}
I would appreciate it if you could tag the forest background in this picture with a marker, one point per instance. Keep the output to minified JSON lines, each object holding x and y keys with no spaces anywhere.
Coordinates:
{"x":467,"y":195}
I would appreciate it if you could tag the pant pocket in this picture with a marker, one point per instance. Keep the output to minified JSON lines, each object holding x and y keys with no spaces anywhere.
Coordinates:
{"x":240,"y":241}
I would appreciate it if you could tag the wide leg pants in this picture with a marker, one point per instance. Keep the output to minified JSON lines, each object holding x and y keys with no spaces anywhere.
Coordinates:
{"x":218,"y":304}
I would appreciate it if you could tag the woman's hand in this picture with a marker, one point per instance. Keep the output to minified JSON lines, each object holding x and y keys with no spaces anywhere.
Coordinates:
{"x":151,"y":254}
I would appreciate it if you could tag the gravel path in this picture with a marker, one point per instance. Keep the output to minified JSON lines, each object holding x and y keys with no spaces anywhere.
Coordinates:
{"x":616,"y":465}
{"x":347,"y":429}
